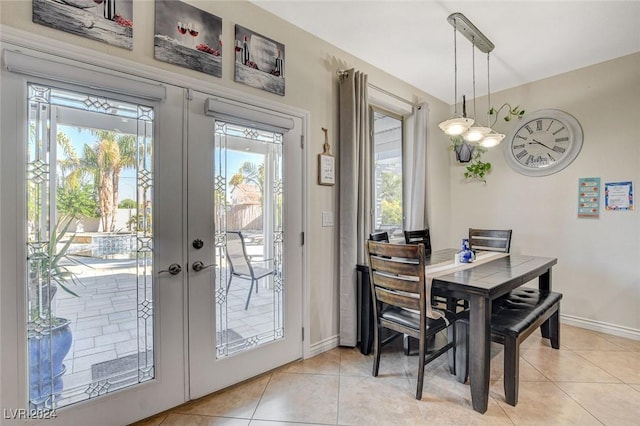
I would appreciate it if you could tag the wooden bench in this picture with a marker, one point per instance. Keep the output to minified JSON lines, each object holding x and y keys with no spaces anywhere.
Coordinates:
{"x":514,"y":317}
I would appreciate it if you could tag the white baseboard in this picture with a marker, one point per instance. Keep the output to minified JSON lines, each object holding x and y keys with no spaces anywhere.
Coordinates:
{"x":602,"y":327}
{"x":323,"y":346}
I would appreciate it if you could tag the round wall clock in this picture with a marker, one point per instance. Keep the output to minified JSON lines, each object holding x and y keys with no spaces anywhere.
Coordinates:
{"x":547,"y":141}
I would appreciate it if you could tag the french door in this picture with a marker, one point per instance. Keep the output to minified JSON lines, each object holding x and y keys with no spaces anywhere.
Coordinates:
{"x":127,"y":212}
{"x":88,"y":295}
{"x":245,"y":181}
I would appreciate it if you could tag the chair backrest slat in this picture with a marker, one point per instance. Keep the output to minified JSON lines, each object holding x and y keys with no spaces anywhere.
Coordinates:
{"x":490,"y":239}
{"x":397,"y":299}
{"x":394,"y":282}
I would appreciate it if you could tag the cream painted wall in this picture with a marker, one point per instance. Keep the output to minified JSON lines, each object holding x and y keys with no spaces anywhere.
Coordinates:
{"x":311,"y":84}
{"x":598,"y":267}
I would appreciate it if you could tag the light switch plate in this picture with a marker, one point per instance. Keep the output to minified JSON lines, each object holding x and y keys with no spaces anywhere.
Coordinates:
{"x":327,"y":218}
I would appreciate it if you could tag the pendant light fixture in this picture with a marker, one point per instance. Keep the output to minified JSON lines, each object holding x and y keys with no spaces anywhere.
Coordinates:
{"x":457,"y":124}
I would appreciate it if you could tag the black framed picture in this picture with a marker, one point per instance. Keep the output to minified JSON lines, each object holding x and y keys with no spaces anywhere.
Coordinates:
{"x":188,"y":36}
{"x":108,"y":21}
{"x":259,"y":61}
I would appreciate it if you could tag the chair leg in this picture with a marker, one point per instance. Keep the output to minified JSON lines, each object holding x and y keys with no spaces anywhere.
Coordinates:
{"x":462,"y":351}
{"x":421,"y":363}
{"x":376,"y":349}
{"x":246,"y":306}
{"x":511,"y":371}
{"x":229,"y":282}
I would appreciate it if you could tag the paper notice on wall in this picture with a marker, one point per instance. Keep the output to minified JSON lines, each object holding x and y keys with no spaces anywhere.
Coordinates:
{"x":618,"y":196}
{"x":589,"y":197}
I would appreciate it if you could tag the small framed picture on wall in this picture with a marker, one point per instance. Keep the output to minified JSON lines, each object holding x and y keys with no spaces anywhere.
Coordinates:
{"x":326,"y":164}
{"x":326,"y":169}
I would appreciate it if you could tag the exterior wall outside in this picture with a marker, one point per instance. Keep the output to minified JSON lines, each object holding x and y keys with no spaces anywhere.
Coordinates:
{"x":597,"y":258}
{"x":311,"y":84}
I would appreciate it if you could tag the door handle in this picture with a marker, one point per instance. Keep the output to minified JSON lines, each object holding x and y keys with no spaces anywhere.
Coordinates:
{"x":199,"y":266}
{"x":174,"y":269}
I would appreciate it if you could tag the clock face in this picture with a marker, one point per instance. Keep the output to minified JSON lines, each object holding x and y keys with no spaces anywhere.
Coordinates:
{"x":545,"y":143}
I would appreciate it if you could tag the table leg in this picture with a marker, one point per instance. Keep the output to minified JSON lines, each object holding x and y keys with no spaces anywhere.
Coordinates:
{"x":479,"y":351}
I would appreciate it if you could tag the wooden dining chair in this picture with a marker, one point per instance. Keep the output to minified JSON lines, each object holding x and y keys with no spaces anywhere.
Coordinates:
{"x":397,"y":278}
{"x":419,"y":236}
{"x":490,"y":239}
{"x":423,"y":236}
{"x":379,"y":237}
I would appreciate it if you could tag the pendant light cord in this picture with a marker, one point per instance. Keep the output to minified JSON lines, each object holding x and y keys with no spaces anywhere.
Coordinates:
{"x":473,"y":64}
{"x":455,"y":70}
{"x":488,"y":92}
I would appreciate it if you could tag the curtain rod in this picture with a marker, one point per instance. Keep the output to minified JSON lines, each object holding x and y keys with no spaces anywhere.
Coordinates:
{"x":345,"y":73}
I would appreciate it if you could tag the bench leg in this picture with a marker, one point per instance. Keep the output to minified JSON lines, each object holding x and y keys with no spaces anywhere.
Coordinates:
{"x":462,"y":351}
{"x":511,"y":371}
{"x":554,"y":329}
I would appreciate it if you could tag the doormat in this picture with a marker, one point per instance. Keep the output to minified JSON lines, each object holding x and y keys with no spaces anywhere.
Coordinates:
{"x":229,"y":335}
{"x":230,"y":342}
{"x":120,"y":372}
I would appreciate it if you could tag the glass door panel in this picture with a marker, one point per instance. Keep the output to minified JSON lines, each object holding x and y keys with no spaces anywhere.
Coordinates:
{"x":248,"y":234}
{"x":90,"y":310}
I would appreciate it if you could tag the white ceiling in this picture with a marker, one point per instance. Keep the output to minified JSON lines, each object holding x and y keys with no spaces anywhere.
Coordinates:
{"x":413,"y":41}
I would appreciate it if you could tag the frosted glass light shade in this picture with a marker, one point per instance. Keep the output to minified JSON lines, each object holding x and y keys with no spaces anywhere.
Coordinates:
{"x":476,"y":133}
{"x":456,"y":126}
{"x":491,"y":140}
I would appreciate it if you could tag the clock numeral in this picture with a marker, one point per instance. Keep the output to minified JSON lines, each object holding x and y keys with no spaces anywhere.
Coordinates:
{"x":562,"y":139}
{"x":552,"y":121}
{"x":538,"y":161}
{"x":521,"y":154}
{"x":528,"y":129}
{"x":521,"y":137}
{"x":559,"y":149}
{"x":559,"y":130}
{"x":539,"y":125}
{"x":521,"y":146}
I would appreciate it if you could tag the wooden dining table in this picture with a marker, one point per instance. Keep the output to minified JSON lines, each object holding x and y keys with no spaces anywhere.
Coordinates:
{"x":479,"y":285}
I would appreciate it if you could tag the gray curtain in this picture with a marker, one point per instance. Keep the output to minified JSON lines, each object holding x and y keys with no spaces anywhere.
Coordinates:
{"x":355,"y":195}
{"x":415,"y":168}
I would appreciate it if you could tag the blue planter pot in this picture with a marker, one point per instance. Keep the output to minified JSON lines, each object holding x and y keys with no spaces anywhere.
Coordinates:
{"x":46,"y":369}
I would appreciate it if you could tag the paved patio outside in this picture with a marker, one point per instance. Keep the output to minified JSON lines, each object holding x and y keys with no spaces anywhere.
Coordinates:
{"x":107,"y":327}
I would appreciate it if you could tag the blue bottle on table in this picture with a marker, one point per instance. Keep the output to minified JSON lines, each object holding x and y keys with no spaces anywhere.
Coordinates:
{"x":465,"y":255}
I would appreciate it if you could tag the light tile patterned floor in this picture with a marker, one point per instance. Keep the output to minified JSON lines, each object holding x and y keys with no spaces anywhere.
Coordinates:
{"x":593,"y":379}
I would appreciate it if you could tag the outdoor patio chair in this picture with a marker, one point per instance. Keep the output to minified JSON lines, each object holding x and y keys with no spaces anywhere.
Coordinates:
{"x":241,"y":265}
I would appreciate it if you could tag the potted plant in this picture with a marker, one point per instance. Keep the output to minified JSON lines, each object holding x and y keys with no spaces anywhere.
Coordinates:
{"x":49,"y":336}
{"x":472,"y":153}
